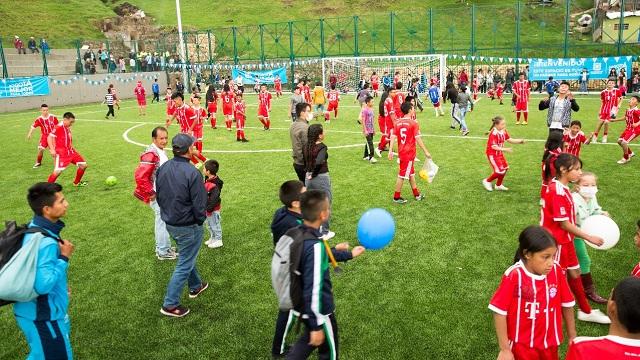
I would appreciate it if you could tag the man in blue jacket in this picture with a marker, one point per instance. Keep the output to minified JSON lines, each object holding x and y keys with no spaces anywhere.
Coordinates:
{"x":45,"y":321}
{"x":182,"y":198}
{"x":321,"y":329}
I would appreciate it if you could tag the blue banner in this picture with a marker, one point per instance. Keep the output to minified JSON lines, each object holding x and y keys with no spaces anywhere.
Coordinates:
{"x":25,"y":86}
{"x":260,"y":77}
{"x":570,"y":69}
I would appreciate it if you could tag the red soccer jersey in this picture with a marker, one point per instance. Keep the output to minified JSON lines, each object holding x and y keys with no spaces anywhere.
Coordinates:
{"x":574,"y":142}
{"x":397,"y":103}
{"x":307,"y":93}
{"x":277,"y":83}
{"x":632,"y":116}
{"x":406,"y":131}
{"x":396,"y":79}
{"x":522,"y":89}
{"x":46,"y":125}
{"x":498,"y":138}
{"x":609,"y":100}
{"x":499,"y":90}
{"x":139,"y":92}
{"x":265,"y":100}
{"x":227,"y":98}
{"x":558,"y":207}
{"x":533,"y":305}
{"x":199,"y":117}
{"x":474,"y":85}
{"x":240,"y":110}
{"x":185,"y":116}
{"x":608,"y":347}
{"x":636,"y":271}
{"x":374,"y":79}
{"x":63,"y":140}
{"x":333,"y":96}
{"x":171,"y":105}
{"x":388,"y":107}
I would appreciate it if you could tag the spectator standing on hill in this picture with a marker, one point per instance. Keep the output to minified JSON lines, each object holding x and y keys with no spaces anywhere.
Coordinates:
{"x":32,"y":45}
{"x":132,"y":65}
{"x":19,"y":45}
{"x":44,"y":45}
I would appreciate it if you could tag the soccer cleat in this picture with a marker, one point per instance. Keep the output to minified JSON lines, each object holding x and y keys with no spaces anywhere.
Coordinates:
{"x":594,"y":139}
{"x":373,"y":160}
{"x":419,"y":197}
{"x":328,"y":236}
{"x":81,"y":184}
{"x":229,"y":129}
{"x":517,"y":122}
{"x":238,"y":140}
{"x":378,"y":152}
{"x":502,"y":188}
{"x":452,"y":127}
{"x":178,"y":311}
{"x":525,"y":123}
{"x":215,"y":244}
{"x":194,"y":293}
{"x":623,"y":161}
{"x":400,"y":200}
{"x":366,"y":158}
{"x":465,"y":133}
{"x":168,"y":256}
{"x":487,"y":185}
{"x":36,"y":165}
{"x":244,"y":140}
{"x":604,"y":139}
{"x":595,"y":316}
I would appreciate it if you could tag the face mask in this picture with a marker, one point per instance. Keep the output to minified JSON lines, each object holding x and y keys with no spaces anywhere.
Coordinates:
{"x":309,"y":116}
{"x":588,"y":192}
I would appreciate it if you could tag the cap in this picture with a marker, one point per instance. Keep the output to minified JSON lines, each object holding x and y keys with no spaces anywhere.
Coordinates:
{"x":181,"y":143}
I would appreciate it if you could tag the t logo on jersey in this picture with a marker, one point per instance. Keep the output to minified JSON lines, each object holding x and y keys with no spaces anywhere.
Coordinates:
{"x":532,"y":308}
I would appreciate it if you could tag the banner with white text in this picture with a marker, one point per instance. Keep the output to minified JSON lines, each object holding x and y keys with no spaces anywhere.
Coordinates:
{"x":571,"y":68}
{"x":260,"y":77}
{"x":25,"y":86}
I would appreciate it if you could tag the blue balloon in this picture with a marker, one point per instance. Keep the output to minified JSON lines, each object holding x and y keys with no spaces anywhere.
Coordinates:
{"x":376,"y":229}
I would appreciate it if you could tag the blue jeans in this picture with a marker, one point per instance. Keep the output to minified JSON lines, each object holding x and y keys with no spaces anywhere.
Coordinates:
{"x":459,"y":112}
{"x":189,"y":240}
{"x":163,"y":242}
{"x":321,"y":182}
{"x":583,"y":86}
{"x":215,"y":228}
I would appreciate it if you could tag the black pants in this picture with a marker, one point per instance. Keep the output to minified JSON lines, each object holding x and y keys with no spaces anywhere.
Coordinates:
{"x":329,"y":348}
{"x":368,"y":147}
{"x":300,"y":172}
{"x":156,"y":97}
{"x":110,"y":112}
{"x":281,"y":330}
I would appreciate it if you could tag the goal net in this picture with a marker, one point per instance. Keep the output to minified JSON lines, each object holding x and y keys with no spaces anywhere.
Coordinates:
{"x":348,"y":72}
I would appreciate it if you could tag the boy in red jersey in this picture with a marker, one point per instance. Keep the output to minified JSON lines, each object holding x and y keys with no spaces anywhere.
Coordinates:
{"x":623,"y":340}
{"x":228,"y":104}
{"x":500,"y":91}
{"x":171,"y":105}
{"x":334,"y":98}
{"x":521,"y":90}
{"x":396,"y":80}
{"x":632,"y":130}
{"x":264,"y":106}
{"x":197,"y":125}
{"x":386,"y":119}
{"x":183,"y":113}
{"x":212,"y":109}
{"x":474,"y":87}
{"x":375,"y":84}
{"x":610,"y":100}
{"x":241,"y":117}
{"x":141,"y":97}
{"x":407,"y":131}
{"x":277,"y":85}
{"x":398,"y":100}
{"x":47,"y":123}
{"x":574,"y":139}
{"x":62,"y":150}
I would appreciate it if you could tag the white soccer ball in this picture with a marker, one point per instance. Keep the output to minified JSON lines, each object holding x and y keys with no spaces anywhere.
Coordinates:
{"x":604,"y":227}
{"x":364,"y":31}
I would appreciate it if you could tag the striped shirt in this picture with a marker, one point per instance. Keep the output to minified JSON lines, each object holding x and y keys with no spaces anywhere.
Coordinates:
{"x":46,"y":125}
{"x":108,"y":99}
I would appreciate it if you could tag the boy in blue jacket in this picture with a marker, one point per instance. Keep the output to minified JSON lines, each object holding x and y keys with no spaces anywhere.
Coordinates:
{"x":45,"y":321}
{"x":321,"y":329}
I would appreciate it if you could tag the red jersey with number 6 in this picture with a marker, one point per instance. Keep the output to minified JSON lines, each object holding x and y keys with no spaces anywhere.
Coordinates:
{"x":227,"y":102}
{"x":406,"y":131}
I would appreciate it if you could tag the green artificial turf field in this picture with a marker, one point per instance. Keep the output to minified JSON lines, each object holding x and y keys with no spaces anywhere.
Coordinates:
{"x":423,"y":297}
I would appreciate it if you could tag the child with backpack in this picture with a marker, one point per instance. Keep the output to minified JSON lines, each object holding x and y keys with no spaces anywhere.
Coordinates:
{"x":316,"y":304}
{"x":287,"y":217}
{"x":213,"y":185}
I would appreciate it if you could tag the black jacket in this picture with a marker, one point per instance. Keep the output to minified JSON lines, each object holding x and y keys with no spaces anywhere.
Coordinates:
{"x":283,"y":220}
{"x":180,"y":193}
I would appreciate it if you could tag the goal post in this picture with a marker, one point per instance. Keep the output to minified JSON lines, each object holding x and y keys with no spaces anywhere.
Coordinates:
{"x":348,"y":71}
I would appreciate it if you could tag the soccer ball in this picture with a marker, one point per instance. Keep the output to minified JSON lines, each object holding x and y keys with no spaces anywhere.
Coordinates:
{"x":111,"y":181}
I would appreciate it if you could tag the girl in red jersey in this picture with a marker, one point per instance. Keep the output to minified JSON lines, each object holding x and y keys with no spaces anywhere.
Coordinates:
{"x":212,"y":105}
{"x":552,"y":148}
{"x":375,"y":83}
{"x":241,"y":117}
{"x":498,"y":135}
{"x":500,"y":91}
{"x":532,"y":300}
{"x":228,"y":105}
{"x":559,"y":217}
{"x":277,"y":84}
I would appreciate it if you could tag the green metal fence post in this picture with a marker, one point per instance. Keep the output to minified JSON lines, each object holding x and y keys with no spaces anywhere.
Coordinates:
{"x":262,"y":58}
{"x":45,"y":68}
{"x":392,"y":48}
{"x":518,"y":18}
{"x":430,"y":15}
{"x":567,"y":14}
{"x":621,"y":28}
{"x":472,"y":49}
{"x":79,"y":60}
{"x":108,"y":57}
{"x":322,"y":38}
{"x":235,"y":45}
{"x":356,"y":52}
{"x":135,"y":51}
{"x":5,"y":73}
{"x":211,"y":77}
{"x":291,"y":56}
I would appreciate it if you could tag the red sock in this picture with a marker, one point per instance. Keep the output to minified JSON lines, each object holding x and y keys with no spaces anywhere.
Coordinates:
{"x":264,"y":123}
{"x":79,"y":174}
{"x":39,"y":159}
{"x":383,"y":142}
{"x":268,"y":124}
{"x":228,"y":122}
{"x":526,"y":117}
{"x":605,"y":133}
{"x":396,"y":195}
{"x":213,"y":121}
{"x":500,"y":179}
{"x":241,"y":134}
{"x":199,"y":146}
{"x":238,"y":137}
{"x":492,"y":177}
{"x":518,"y":116}
{"x":578,"y":293}
{"x":327,"y":116}
{"x":52,"y":178}
{"x":595,"y":134}
{"x":335,"y":113}
{"x":416,"y":192}
{"x":194,"y":160}
{"x":201,"y":157}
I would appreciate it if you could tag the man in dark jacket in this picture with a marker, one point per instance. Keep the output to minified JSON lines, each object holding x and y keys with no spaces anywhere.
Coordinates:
{"x":182,"y":198}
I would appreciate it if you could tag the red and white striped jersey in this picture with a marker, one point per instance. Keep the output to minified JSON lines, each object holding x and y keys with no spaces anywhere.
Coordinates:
{"x":522,"y":89}
{"x":574,"y":142}
{"x":636,"y":271}
{"x":185,"y":116}
{"x":171,"y":105}
{"x":397,"y":103}
{"x":496,"y":137}
{"x":632,"y":116}
{"x":264,"y":98}
{"x":333,"y":96}
{"x":46,"y":125}
{"x":533,"y":305}
{"x":200,"y":115}
{"x":139,"y":92}
{"x":374,"y":79}
{"x":558,"y":207}
{"x":227,"y":98}
{"x":63,"y":140}
{"x":609,"y":100}
{"x":388,"y":107}
{"x":240,"y":110}
{"x":608,"y":347}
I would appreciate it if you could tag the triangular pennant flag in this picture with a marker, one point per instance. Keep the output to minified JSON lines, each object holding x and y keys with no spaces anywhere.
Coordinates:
{"x":617,"y":58}
{"x":501,"y":59}
{"x":464,"y":57}
{"x":510,"y":59}
{"x":481,"y":58}
{"x":473,"y":58}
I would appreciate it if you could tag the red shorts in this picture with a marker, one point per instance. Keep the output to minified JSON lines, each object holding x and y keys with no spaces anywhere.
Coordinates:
{"x":436,"y":104}
{"x":523,"y":352}
{"x":628,"y":135}
{"x":197,"y":133}
{"x":498,"y":163}
{"x":62,"y":161}
{"x":240,"y":123}
{"x":522,"y":106}
{"x":263,"y":112}
{"x":566,"y":256}
{"x":212,"y":110}
{"x":142,"y":102}
{"x":43,"y":144}
{"x":389,"y":125}
{"x":375,"y":86}
{"x":171,"y":111}
{"x":227,"y":110}
{"x":278,"y":88}
{"x":332,"y":106}
{"x":406,"y":169}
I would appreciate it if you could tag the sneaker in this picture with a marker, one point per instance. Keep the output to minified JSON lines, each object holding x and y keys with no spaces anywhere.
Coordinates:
{"x":81,"y":184}
{"x":623,"y":161}
{"x":373,"y":160}
{"x":194,"y":293}
{"x":245,"y":140}
{"x":594,"y":139}
{"x":178,"y":311}
{"x":400,"y":200}
{"x":229,"y":129}
{"x":595,"y":316}
{"x":487,"y":185}
{"x":215,"y":244}
{"x":366,"y":158}
{"x":36,"y":165}
{"x":465,"y":133}
{"x":419,"y":197}
{"x":378,"y":152}
{"x":208,"y":241}
{"x":632,"y":155}
{"x":168,"y":256}
{"x":525,"y":123}
{"x":328,"y":236}
{"x":452,"y":127}
{"x":214,"y":127}
{"x":517,"y":122}
{"x":604,"y":139}
{"x":238,"y":140}
{"x":502,"y":188}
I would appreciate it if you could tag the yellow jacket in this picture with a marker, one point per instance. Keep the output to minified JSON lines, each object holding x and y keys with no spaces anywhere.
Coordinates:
{"x":318,"y":95}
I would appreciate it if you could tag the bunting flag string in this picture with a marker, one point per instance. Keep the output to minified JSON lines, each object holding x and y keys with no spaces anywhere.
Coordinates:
{"x":107,"y":78}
